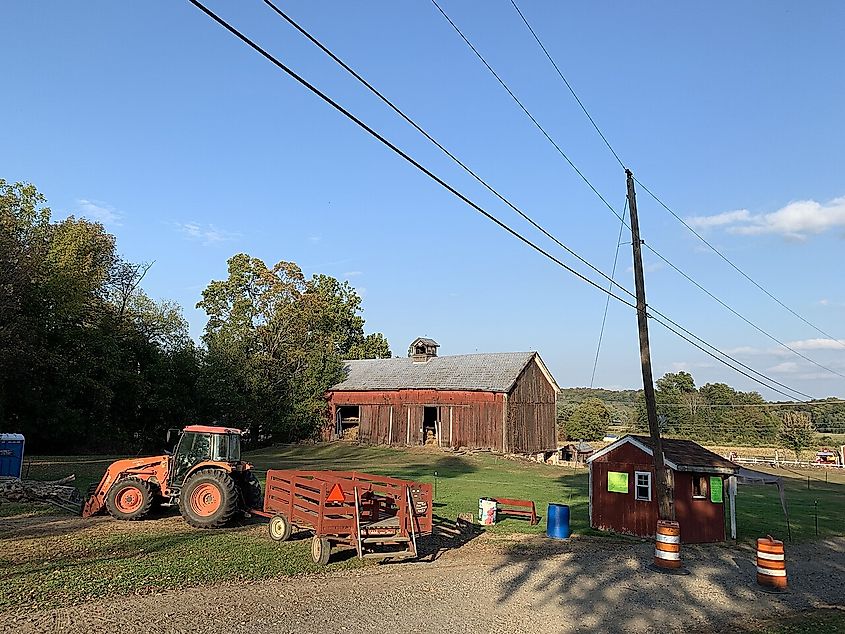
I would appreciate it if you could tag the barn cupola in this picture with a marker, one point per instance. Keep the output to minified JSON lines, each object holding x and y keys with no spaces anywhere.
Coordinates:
{"x":422,"y":349}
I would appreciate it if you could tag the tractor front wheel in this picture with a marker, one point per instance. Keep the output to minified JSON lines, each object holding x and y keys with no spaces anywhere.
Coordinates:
{"x":209,"y":499}
{"x":129,"y":499}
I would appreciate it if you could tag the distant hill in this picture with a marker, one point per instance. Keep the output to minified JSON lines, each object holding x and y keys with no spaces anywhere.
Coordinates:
{"x":621,"y":403}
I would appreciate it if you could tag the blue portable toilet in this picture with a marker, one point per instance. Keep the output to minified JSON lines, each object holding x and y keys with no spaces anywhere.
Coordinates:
{"x":11,"y":455}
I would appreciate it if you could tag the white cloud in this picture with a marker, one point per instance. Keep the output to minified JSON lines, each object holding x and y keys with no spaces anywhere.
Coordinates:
{"x":718,"y":220}
{"x":787,"y":367}
{"x":746,"y":350}
{"x":99,"y":212}
{"x":353,"y":273}
{"x":818,"y":344}
{"x":688,"y":366}
{"x":207,"y":234}
{"x":314,"y":239}
{"x":831,"y":303}
{"x":796,"y":221}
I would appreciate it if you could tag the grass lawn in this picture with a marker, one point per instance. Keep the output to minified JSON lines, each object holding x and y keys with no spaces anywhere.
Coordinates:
{"x":827,"y":621}
{"x":48,"y":557}
{"x":759,"y":509}
{"x":52,"y":558}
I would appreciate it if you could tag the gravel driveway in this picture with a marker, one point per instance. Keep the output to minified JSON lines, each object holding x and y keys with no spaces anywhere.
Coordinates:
{"x":491,"y":584}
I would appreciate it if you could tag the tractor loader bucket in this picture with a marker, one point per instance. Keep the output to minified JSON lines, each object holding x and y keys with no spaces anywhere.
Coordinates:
{"x":152,"y":469}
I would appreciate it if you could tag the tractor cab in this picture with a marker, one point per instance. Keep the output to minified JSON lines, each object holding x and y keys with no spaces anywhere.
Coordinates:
{"x":199,"y":444}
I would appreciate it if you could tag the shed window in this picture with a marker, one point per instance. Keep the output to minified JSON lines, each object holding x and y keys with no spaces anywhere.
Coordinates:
{"x":642,"y":491}
{"x":699,"y":487}
{"x":617,"y":482}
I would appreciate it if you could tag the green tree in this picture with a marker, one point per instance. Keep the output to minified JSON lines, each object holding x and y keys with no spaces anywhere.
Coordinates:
{"x":276,"y":342}
{"x":797,"y":432}
{"x":374,"y":346}
{"x":86,"y":358}
{"x":589,"y":421}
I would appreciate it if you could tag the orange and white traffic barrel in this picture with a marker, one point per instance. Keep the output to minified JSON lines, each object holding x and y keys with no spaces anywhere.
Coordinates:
{"x":667,"y":545}
{"x":771,"y":563}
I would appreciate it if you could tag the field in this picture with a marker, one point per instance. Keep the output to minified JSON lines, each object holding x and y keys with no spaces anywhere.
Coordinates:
{"x":50,"y":558}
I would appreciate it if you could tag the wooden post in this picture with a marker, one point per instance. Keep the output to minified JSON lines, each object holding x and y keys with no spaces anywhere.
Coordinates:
{"x":504,"y":423}
{"x":732,"y":497}
{"x":665,"y":508}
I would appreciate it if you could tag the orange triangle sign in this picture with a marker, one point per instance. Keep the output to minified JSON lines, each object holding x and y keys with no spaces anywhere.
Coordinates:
{"x":336,"y":494}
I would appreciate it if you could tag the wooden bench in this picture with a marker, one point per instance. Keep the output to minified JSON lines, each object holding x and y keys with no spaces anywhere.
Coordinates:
{"x":523,"y":508}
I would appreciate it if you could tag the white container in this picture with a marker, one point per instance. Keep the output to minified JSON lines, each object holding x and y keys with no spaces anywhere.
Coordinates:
{"x":486,"y":511}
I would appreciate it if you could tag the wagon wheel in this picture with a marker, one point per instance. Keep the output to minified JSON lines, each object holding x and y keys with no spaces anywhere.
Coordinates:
{"x":321,"y":550}
{"x":279,"y":528}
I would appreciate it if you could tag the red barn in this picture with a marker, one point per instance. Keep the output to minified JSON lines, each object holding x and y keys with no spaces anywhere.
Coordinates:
{"x":503,"y":402}
{"x":622,"y":494}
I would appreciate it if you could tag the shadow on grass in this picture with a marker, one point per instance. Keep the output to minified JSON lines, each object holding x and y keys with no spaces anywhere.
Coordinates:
{"x":130,"y":547}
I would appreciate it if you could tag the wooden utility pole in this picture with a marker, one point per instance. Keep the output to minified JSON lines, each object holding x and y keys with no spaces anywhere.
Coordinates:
{"x":665,"y":509}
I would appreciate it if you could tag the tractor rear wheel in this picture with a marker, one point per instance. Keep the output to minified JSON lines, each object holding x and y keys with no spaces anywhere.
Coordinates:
{"x":209,"y":498}
{"x":129,"y":499}
{"x":321,"y":550}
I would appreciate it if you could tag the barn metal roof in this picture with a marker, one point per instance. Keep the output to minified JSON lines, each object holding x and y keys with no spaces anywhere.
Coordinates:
{"x":485,"y":372}
{"x":680,"y":455}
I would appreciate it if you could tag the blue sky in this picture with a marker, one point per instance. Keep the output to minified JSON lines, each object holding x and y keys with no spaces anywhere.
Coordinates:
{"x":190,"y":148}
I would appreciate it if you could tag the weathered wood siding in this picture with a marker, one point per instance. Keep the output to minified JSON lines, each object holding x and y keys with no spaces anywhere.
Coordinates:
{"x":701,"y":521}
{"x":466,"y":419}
{"x":531,"y":413}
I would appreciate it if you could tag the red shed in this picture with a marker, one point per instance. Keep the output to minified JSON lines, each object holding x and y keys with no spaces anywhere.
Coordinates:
{"x":503,"y":402}
{"x":622,"y":496}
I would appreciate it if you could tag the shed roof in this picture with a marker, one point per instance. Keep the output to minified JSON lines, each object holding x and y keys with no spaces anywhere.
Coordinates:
{"x":680,"y":455}
{"x":484,"y":372}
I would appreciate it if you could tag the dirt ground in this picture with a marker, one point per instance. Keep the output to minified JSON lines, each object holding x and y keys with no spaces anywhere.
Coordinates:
{"x":489,"y":584}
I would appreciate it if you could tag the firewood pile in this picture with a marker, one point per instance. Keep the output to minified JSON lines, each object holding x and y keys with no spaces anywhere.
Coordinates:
{"x":59,"y":492}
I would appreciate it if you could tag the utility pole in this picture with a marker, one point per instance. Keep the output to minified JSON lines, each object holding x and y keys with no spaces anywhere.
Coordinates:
{"x":665,"y":509}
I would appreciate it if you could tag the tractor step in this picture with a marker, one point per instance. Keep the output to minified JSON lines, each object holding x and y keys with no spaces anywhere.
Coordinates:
{"x":385,"y":540}
{"x":402,"y":554}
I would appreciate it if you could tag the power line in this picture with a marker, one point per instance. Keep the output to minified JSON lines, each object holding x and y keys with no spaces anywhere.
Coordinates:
{"x":396,"y":149}
{"x":691,"y":341}
{"x":666,"y":207}
{"x":610,"y":279}
{"x":601,"y":197}
{"x":737,"y":269}
{"x":526,"y":111}
{"x":607,"y":301}
{"x":720,"y":405}
{"x":440,"y":146}
{"x":569,"y":86}
{"x":458,"y":194}
{"x":741,"y":316}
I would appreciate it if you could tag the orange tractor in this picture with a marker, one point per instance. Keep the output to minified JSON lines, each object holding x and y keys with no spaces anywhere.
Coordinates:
{"x":204,"y":476}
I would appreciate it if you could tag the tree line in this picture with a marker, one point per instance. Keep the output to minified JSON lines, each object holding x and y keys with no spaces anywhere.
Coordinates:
{"x":90,"y":363}
{"x":714,"y":413}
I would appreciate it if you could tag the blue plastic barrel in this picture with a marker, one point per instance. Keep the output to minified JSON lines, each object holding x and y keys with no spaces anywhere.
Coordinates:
{"x":557,"y":521}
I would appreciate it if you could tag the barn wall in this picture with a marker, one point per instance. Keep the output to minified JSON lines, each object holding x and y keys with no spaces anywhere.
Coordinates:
{"x":476,"y":417}
{"x":531,"y":426}
{"x":701,"y":521}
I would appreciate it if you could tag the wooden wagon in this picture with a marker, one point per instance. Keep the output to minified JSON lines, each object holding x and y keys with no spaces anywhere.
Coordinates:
{"x":381,"y":517}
